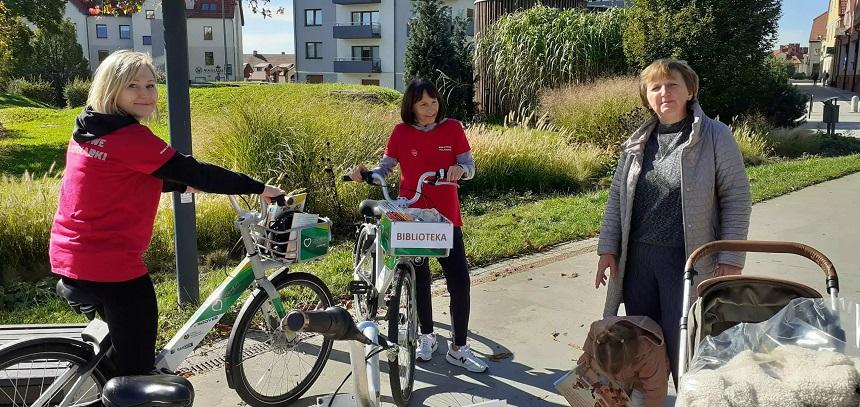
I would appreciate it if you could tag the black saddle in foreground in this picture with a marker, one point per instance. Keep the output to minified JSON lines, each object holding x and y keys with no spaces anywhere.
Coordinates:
{"x":148,"y":391}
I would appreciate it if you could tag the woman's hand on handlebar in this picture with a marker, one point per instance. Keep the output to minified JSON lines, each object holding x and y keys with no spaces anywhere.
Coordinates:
{"x":455,"y":172}
{"x":270,"y":192}
{"x":355,"y":174}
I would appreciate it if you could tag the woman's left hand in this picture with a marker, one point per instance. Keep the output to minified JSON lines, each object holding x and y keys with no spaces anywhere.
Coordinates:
{"x":728,"y":270}
{"x":455,"y":172}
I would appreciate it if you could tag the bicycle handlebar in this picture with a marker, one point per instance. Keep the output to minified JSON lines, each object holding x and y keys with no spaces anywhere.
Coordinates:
{"x":335,"y":323}
{"x":370,"y":177}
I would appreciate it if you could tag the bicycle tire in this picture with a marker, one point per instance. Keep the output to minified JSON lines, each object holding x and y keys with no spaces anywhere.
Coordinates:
{"x":365,"y":305}
{"x":52,"y":358}
{"x":403,"y":330}
{"x":250,"y":317}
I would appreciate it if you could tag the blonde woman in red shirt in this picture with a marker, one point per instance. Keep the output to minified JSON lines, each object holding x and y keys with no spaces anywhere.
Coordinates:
{"x":427,"y":141}
{"x":116,"y":170}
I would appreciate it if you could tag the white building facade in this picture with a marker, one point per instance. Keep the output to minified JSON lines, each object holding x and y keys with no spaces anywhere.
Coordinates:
{"x":214,"y":35}
{"x":356,"y":41}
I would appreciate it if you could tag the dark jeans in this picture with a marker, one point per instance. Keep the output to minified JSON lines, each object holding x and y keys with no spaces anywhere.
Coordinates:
{"x":654,"y":287}
{"x":131,"y":313}
{"x":457,"y":277}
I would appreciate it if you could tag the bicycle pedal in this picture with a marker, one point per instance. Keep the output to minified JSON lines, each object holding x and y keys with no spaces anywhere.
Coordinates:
{"x":360,"y":288}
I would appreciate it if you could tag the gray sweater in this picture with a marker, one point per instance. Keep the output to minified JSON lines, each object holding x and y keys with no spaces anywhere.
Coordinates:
{"x":715,"y":197}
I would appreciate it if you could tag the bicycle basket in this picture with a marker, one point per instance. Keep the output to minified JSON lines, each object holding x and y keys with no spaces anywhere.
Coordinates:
{"x":293,"y":237}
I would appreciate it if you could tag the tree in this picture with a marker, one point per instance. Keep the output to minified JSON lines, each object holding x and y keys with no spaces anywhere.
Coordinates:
{"x":58,"y":58}
{"x":727,"y":42}
{"x":437,"y":49}
{"x":44,"y":13}
{"x":15,"y":47}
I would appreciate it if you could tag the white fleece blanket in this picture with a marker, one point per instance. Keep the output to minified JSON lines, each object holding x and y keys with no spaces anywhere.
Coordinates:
{"x":788,"y":376}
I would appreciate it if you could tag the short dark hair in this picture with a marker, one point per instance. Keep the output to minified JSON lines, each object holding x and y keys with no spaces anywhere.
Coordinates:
{"x":616,"y":347}
{"x":414,"y":93}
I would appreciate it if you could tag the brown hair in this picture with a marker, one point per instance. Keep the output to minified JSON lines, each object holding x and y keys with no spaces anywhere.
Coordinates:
{"x":616,"y":347}
{"x":663,"y":68}
{"x":414,"y":93}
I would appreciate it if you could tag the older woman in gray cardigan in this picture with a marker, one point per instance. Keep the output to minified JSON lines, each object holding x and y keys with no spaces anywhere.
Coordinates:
{"x":679,"y":184}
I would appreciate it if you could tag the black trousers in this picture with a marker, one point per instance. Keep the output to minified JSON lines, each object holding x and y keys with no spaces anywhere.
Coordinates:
{"x":456,"y":273}
{"x":654,"y":287}
{"x":131,"y":313}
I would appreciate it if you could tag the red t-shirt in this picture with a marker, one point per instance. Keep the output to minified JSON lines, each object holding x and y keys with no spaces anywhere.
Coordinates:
{"x":107,"y":206}
{"x":419,"y":152}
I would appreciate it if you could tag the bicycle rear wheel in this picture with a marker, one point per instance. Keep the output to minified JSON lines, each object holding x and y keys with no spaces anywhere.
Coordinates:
{"x":29,"y":370}
{"x":264,"y":366}
{"x":402,"y":317}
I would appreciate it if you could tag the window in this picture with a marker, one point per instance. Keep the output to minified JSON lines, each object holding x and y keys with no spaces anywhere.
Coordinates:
{"x":365,"y":17}
{"x":101,"y":31}
{"x":147,"y":40}
{"x":150,"y":14}
{"x":103,"y":53}
{"x":470,"y":14}
{"x":259,"y":69}
{"x":207,"y":32}
{"x":313,"y":50}
{"x":313,"y":17}
{"x":365,"y":53}
{"x":209,"y":58}
{"x":125,"y":32}
{"x":374,"y":82}
{"x":314,"y":79}
{"x":209,"y":7}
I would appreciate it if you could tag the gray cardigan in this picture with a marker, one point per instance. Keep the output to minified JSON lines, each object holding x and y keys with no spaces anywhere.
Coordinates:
{"x":715,"y":198}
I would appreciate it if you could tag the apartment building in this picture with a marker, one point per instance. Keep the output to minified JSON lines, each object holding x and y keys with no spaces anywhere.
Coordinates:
{"x":214,"y":35}
{"x":357,"y":41}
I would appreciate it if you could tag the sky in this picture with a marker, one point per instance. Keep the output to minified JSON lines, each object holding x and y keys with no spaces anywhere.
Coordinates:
{"x":796,"y":20}
{"x":270,"y":35}
{"x":275,"y":35}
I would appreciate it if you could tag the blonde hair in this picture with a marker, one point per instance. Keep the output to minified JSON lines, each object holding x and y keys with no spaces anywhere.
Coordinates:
{"x":663,"y":68}
{"x":112,"y":76}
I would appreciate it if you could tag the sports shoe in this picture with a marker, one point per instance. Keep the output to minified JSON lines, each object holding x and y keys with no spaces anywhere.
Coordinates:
{"x":464,"y":357}
{"x":427,"y":344}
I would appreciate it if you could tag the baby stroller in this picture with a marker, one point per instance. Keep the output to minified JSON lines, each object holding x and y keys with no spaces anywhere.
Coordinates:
{"x":724,"y":302}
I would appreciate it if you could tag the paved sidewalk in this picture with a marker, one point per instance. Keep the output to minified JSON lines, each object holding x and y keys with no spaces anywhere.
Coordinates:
{"x":537,"y":308}
{"x":849,"y":122}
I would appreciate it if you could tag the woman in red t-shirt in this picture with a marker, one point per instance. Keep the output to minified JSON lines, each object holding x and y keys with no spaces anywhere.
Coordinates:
{"x":116,"y":169}
{"x":426,"y":141}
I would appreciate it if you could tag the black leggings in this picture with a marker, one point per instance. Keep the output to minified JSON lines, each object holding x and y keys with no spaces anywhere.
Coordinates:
{"x":457,"y":277}
{"x":131,"y":313}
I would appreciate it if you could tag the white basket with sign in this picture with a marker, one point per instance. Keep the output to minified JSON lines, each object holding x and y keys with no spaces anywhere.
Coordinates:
{"x":415,"y":232}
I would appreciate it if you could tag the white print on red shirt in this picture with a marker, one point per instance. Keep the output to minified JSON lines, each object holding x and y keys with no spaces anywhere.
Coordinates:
{"x":91,"y":152}
{"x":445,"y":148}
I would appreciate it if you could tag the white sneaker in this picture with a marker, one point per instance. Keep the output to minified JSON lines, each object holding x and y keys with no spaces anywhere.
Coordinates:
{"x":427,"y":344}
{"x":464,"y":357}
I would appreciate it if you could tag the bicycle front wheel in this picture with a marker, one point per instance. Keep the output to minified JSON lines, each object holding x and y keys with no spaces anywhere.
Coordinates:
{"x":27,"y":372}
{"x":265,"y":366}
{"x":402,"y":330}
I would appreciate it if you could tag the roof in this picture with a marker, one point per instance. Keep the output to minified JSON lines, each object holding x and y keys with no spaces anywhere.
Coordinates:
{"x":819,"y":28}
{"x":86,"y":6}
{"x":211,"y":9}
{"x":274,"y":59}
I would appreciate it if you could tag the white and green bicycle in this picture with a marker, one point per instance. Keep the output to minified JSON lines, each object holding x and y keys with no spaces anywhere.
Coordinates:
{"x":390,"y":239}
{"x":265,"y":364}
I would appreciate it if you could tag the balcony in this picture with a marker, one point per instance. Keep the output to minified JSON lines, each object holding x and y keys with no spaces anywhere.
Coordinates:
{"x":348,"y":2}
{"x":356,"y":30}
{"x":357,"y":65}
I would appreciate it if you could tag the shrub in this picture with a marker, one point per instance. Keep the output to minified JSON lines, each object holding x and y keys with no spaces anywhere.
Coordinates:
{"x":518,"y":159}
{"x":76,"y":93}
{"x":603,"y":113}
{"x":37,"y":90}
{"x":546,"y":48}
{"x":751,"y":135}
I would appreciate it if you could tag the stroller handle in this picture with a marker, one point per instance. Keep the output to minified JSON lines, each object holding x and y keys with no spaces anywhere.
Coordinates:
{"x":765,"y":246}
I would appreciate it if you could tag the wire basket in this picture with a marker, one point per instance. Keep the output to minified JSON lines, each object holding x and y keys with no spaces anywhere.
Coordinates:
{"x":293,"y":245}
